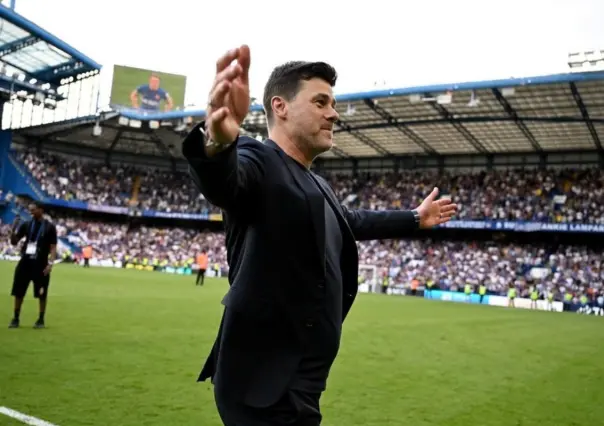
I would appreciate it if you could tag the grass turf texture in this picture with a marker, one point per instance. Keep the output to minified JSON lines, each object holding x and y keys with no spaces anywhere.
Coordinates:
{"x":125,"y":347}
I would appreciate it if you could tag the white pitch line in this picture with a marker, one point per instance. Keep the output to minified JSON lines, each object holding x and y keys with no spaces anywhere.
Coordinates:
{"x":24,"y":418}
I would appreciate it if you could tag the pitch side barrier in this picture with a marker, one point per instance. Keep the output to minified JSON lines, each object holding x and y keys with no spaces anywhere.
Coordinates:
{"x":519,"y":302}
{"x":108,"y":263}
{"x":524,"y":226}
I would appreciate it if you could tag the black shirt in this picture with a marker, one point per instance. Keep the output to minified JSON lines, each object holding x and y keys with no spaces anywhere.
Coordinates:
{"x":325,"y":336}
{"x":43,"y":234}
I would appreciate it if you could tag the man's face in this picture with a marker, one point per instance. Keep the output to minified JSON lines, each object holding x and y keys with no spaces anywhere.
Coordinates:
{"x":311,"y":115}
{"x":154,"y":83}
{"x":35,"y":211}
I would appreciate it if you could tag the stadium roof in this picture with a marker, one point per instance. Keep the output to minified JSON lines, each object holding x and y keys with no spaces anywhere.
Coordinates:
{"x":30,"y":51}
{"x":114,"y":134}
{"x":533,"y":114}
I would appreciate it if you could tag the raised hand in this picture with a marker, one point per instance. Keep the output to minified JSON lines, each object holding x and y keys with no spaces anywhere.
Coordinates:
{"x":229,"y":100}
{"x":432,"y":213}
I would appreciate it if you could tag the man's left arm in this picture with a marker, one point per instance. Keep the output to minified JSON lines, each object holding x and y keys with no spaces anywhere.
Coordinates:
{"x":391,"y":224}
{"x":52,"y":237}
{"x":380,"y":224}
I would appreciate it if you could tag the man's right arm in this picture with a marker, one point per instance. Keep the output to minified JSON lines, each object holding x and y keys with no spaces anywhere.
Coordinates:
{"x":230,"y":179}
{"x":17,"y":233}
{"x":134,"y":97}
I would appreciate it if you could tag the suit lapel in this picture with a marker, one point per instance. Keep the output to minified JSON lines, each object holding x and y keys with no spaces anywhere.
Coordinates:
{"x":314,"y":199}
{"x":316,"y":194}
{"x":335,"y":205}
{"x":349,"y":253}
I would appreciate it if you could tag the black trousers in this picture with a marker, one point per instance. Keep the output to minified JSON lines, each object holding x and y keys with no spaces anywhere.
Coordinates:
{"x":201,"y":273}
{"x":295,"y":408}
{"x":26,"y":272}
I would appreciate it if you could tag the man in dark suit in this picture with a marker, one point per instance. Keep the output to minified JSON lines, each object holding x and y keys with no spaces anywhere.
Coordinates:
{"x":293,"y":262}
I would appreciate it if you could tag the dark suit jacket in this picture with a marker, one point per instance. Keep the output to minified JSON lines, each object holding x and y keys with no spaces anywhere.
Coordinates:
{"x":275,"y":236}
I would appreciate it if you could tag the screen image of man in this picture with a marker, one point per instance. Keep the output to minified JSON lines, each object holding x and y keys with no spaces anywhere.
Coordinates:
{"x":293,"y":259}
{"x":37,"y":254}
{"x":151,"y":96}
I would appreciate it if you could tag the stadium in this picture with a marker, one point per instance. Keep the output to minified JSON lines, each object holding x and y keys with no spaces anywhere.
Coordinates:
{"x":432,"y":339}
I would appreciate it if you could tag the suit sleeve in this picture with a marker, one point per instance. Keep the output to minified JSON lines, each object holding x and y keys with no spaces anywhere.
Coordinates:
{"x":20,"y":233}
{"x":52,"y":235}
{"x":229,"y":180}
{"x":380,"y":225}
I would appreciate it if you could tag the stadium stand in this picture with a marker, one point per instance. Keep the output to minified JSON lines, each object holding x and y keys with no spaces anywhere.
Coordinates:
{"x":523,"y":157}
{"x":541,"y":195}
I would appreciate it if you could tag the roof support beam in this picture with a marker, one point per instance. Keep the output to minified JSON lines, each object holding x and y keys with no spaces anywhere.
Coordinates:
{"x":160,"y":144}
{"x":115,"y":141}
{"x":400,"y":127}
{"x":17,"y":68}
{"x":363,"y":138}
{"x":13,"y":46}
{"x":338,"y":152}
{"x":459,"y":127}
{"x":67,"y":130}
{"x":54,"y":73}
{"x":588,"y":121}
{"x":514,"y":115}
{"x":130,"y":137}
{"x":477,"y":119}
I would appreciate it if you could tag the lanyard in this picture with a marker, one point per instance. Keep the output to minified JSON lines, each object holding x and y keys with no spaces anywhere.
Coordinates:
{"x":31,"y":231}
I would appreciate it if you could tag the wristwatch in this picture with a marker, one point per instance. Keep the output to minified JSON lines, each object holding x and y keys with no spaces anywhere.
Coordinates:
{"x":415,"y":217}
{"x":205,"y":135}
{"x":208,"y":142}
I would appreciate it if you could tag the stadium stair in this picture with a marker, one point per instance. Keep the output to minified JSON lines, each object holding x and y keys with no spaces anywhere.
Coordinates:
{"x":21,"y":180}
{"x":12,"y":209}
{"x":136,"y":186}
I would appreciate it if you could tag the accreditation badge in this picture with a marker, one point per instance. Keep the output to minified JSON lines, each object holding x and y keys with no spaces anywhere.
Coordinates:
{"x":31,"y":249}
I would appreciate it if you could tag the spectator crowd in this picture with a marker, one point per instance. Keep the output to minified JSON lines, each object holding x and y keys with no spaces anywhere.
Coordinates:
{"x":554,"y":195}
{"x":449,"y":264}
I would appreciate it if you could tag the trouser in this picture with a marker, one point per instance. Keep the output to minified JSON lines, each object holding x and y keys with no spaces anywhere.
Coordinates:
{"x":26,"y":272}
{"x":201,"y":273}
{"x":295,"y":408}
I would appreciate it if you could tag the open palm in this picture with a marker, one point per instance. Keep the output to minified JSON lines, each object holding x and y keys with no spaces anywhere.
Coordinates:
{"x":433,"y":212}
{"x":229,"y":100}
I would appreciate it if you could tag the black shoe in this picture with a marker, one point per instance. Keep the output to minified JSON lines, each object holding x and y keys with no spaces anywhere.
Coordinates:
{"x":39,"y":324}
{"x":14,"y":323}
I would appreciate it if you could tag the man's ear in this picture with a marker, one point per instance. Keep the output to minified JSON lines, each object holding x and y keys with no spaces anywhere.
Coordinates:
{"x":279,"y":106}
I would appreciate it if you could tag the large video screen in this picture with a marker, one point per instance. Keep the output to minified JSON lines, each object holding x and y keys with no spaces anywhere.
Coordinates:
{"x":147,"y":90}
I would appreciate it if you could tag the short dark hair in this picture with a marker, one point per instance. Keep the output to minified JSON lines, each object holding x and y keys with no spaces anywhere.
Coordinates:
{"x":37,"y":204}
{"x":285,"y":81}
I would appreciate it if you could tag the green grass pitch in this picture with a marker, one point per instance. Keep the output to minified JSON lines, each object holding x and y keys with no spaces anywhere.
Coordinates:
{"x":123,"y":348}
